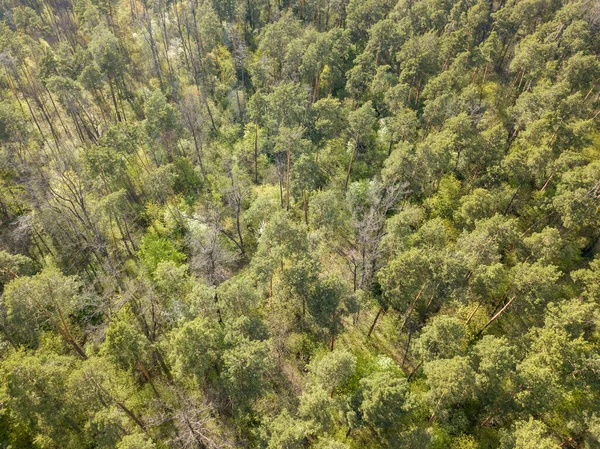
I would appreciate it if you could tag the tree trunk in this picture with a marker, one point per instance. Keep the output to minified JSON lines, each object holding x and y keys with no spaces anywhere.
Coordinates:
{"x":379,"y":312}
{"x":406,"y":349}
{"x":495,"y":317}
{"x":411,"y":309}
{"x":121,"y":406}
{"x":256,"y":152}
{"x":472,"y":314}
{"x":305,"y":209}
{"x":414,"y":370}
{"x":287,"y":181}
{"x":350,"y":164}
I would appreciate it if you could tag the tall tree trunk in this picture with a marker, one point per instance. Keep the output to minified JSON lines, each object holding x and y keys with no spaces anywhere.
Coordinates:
{"x":287,"y":181}
{"x":495,"y":317}
{"x":305,"y":205}
{"x":379,"y":312}
{"x":350,"y":164}
{"x":256,"y":152}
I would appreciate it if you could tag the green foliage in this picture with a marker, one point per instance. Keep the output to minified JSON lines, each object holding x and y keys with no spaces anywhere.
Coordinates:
{"x":155,"y":249}
{"x":444,"y":337}
{"x":136,"y":441}
{"x":44,"y":301}
{"x":325,"y":224}
{"x":245,"y":370}
{"x":14,"y":265}
{"x":529,"y":434}
{"x":286,"y":432}
{"x":386,"y":400}
{"x":451,"y":382}
{"x":195,"y":350}
{"x":124,"y":346}
{"x":333,"y":370}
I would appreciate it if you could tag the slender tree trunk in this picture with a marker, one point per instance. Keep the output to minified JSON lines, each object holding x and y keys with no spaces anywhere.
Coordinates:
{"x":153,"y":48}
{"x":146,"y":374}
{"x":198,"y":151}
{"x":495,"y":317}
{"x":406,"y":349}
{"x":287,"y":181}
{"x":63,"y":329}
{"x":305,"y":209}
{"x":281,"y":189}
{"x":429,"y":304}
{"x":414,"y":370}
{"x":350,"y":164}
{"x":256,"y":152}
{"x":432,"y":417}
{"x":210,"y":115}
{"x":472,"y":314}
{"x":122,"y":406}
{"x":513,"y":198}
{"x":379,"y":312}
{"x":411,"y":309}
{"x":114,"y":99}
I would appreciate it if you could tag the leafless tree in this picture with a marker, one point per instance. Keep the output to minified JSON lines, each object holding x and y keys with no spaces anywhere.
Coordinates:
{"x":369,"y":227}
{"x":211,"y":257}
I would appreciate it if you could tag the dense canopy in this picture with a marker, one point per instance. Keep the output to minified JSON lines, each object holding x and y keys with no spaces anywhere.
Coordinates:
{"x":328,"y":224}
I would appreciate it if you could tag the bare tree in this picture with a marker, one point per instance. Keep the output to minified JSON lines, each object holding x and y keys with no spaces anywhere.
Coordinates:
{"x":211,"y":257}
{"x":196,"y":425}
{"x":369,"y":227}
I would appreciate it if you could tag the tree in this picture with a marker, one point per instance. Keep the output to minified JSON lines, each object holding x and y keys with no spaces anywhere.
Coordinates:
{"x":211,"y":256}
{"x":528,"y":433}
{"x":494,"y":361}
{"x":137,"y":441}
{"x":14,"y":265}
{"x":584,"y":278}
{"x":443,"y":338}
{"x":245,"y":370}
{"x":162,"y":123}
{"x":369,"y":204}
{"x":123,"y":345}
{"x":286,"y":432}
{"x":47,"y":300}
{"x":386,"y":401}
{"x":318,"y":408}
{"x":155,"y":249}
{"x":196,"y":351}
{"x":324,"y":306}
{"x":451,"y":382}
{"x":329,"y":119}
{"x":333,"y":370}
{"x":330,"y":443}
{"x":361,"y":124}
{"x":35,"y":388}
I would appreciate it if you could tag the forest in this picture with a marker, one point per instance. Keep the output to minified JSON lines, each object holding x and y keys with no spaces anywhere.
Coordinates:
{"x":299,"y":224}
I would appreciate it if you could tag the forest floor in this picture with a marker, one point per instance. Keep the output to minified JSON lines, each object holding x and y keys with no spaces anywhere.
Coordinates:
{"x":384,"y":340}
